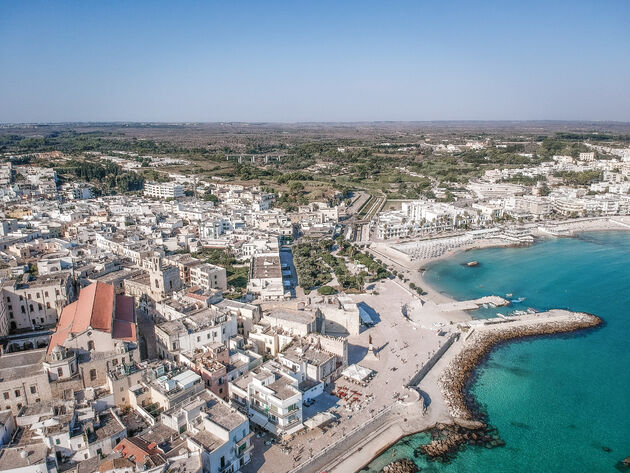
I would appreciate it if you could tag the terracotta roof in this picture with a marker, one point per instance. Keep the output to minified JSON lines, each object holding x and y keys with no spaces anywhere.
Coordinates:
{"x":124,"y":308}
{"x":139,"y":451}
{"x":124,"y":330}
{"x":99,"y":308}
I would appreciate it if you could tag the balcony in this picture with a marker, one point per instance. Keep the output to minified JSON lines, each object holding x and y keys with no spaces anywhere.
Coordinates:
{"x":245,"y":451}
{"x":244,"y":439}
{"x":259,"y":409}
{"x":227,"y":469}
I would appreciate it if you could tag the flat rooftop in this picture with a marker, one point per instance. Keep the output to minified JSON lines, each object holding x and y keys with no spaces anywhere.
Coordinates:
{"x":11,"y":458}
{"x":264,"y":267}
{"x":298,"y":316}
{"x":21,"y":364}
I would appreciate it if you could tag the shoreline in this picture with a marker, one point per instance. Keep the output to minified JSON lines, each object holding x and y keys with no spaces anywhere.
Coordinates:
{"x":456,"y":377}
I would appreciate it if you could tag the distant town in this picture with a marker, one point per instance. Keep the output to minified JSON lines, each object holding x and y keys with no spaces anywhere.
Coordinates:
{"x":234,"y":297}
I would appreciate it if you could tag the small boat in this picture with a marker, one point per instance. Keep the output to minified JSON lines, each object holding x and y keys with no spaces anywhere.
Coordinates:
{"x":470,"y":264}
{"x":516,"y":301}
{"x":509,"y":294}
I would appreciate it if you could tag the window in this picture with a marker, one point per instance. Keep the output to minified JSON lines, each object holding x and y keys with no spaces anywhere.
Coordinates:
{"x":91,"y":345}
{"x":37,"y":295}
{"x":23,"y":310}
{"x":57,"y":291}
{"x":5,"y":395}
{"x":92,"y":374}
{"x":60,"y":372}
{"x":29,"y":296}
{"x":198,"y":339}
{"x":48,"y":305}
{"x":57,"y":442}
{"x":46,"y":293}
{"x":115,"y":362}
{"x":41,"y":319}
{"x":33,"y":389}
{"x":21,"y":297}
{"x":30,"y":307}
{"x":18,"y":393}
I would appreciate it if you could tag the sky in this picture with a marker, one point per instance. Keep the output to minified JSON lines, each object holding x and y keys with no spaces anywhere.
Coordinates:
{"x":303,"y":61}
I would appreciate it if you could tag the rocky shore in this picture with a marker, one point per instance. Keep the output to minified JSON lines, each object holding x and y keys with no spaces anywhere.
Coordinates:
{"x":400,"y":466}
{"x":446,"y":439}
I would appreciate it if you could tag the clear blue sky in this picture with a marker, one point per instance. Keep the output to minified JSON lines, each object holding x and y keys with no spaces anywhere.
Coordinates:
{"x":314,"y":61}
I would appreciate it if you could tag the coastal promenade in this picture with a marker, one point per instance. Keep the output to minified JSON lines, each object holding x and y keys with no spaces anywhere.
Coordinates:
{"x":438,"y":349}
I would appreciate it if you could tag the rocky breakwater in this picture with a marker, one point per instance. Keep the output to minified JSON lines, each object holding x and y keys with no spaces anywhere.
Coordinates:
{"x":455,"y":379}
{"x":400,"y":466}
{"x":469,"y":425}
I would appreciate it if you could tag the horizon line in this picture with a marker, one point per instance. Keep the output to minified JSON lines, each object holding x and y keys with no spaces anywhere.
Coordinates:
{"x":264,"y":122}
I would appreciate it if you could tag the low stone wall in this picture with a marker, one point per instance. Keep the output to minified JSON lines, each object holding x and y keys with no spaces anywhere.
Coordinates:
{"x":419,"y":376}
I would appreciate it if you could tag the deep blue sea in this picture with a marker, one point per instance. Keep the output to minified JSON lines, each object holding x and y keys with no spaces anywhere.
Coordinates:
{"x":561,"y":403}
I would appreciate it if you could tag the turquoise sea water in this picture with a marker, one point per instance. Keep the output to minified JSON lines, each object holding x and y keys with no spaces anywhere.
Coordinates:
{"x":559,"y":402}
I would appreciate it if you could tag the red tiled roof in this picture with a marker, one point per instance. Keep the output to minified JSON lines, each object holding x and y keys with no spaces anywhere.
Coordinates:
{"x":136,"y":448}
{"x":95,"y":308}
{"x":124,"y":330}
{"x":124,"y":308}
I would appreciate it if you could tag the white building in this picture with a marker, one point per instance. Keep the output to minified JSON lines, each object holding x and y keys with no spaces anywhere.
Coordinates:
{"x":163,"y":190}
{"x":208,"y":276}
{"x":271,"y":398}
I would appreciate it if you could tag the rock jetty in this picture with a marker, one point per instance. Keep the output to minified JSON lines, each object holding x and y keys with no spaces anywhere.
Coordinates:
{"x":455,"y":380}
{"x":400,"y":466}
